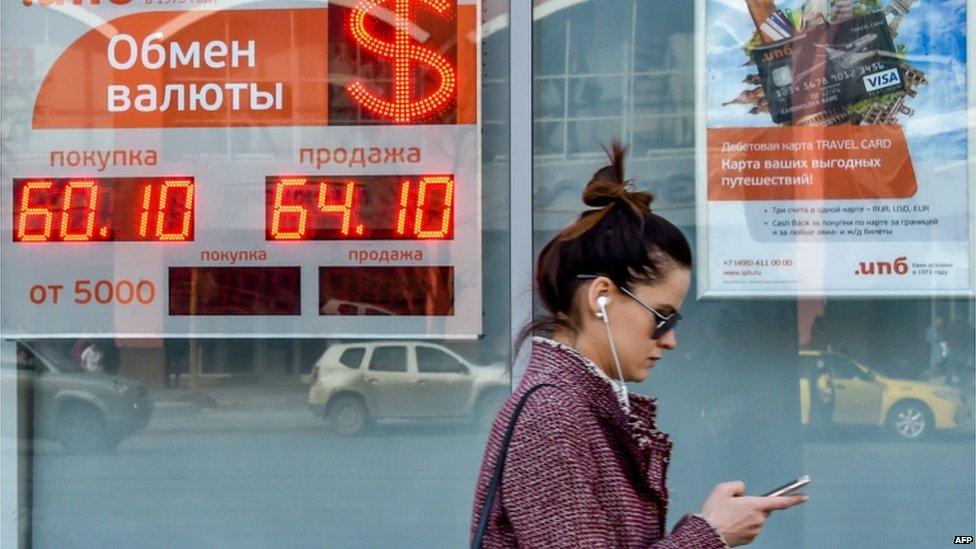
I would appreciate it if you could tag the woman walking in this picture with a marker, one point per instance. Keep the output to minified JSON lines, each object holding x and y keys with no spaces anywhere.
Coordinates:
{"x":585,"y":464}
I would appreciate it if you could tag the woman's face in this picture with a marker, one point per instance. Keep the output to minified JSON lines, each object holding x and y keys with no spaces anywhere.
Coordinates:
{"x":632,"y":325}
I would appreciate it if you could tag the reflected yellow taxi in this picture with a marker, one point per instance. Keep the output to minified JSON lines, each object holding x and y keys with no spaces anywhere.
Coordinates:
{"x":849,"y":393}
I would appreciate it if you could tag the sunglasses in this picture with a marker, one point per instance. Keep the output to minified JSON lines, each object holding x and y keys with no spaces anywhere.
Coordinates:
{"x":664,"y":323}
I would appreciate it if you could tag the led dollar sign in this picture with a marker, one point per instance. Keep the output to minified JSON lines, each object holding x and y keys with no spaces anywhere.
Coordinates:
{"x":403,"y":51}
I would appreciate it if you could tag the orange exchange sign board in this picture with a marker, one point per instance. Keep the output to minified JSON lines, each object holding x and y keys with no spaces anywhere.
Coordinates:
{"x":368,"y":63}
{"x":357,"y":212}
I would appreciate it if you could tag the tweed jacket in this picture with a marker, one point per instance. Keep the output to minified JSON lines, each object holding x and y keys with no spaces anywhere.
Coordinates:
{"x":581,"y":471}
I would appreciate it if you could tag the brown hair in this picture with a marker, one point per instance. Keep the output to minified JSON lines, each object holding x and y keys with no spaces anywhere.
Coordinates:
{"x":620,"y":239}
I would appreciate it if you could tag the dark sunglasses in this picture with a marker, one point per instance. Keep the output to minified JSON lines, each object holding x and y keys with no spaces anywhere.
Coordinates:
{"x":664,"y":323}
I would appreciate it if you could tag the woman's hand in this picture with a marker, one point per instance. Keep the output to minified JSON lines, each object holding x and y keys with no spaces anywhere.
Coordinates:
{"x":739,"y":518}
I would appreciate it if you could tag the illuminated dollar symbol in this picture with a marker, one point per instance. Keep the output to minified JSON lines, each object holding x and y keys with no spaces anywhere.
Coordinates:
{"x":403,"y":52}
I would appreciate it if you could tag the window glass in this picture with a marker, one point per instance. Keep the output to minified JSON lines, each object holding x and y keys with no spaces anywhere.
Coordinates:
{"x":352,"y":358}
{"x":729,"y":394}
{"x":202,"y":421}
{"x":388,"y":359}
{"x":430,"y":360}
{"x":26,"y":361}
{"x":843,"y":368}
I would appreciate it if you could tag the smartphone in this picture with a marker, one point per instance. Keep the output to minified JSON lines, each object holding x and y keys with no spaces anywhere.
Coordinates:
{"x":789,"y":487}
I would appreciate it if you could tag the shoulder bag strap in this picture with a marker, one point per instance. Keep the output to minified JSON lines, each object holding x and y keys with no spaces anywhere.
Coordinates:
{"x":496,"y":476}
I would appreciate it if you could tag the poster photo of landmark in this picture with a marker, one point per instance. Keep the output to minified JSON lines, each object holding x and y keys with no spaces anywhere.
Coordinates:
{"x":828,"y":62}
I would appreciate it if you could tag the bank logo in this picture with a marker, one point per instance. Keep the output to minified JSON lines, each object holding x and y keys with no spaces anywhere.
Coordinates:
{"x":898,"y":267}
{"x":883,"y":79}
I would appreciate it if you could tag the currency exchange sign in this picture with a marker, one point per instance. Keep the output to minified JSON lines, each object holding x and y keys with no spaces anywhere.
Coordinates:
{"x":279,"y":170}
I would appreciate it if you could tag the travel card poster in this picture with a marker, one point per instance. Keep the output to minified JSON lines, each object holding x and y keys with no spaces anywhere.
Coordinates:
{"x":836,"y":148}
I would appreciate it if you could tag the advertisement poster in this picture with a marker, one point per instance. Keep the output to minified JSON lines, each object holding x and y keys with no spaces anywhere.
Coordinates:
{"x":835,"y":148}
{"x":232,"y":169}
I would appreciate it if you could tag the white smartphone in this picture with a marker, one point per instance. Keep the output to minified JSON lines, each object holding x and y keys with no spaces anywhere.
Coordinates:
{"x":789,"y":487}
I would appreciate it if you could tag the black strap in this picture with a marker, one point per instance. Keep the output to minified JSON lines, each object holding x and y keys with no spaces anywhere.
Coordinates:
{"x":496,"y":476}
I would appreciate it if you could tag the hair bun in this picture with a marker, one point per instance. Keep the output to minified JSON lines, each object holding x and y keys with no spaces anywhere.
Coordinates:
{"x":607,"y":189}
{"x":609,"y":186}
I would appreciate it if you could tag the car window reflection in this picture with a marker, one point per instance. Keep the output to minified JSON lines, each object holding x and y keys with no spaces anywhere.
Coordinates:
{"x":389,"y":359}
{"x":353,"y":358}
{"x":430,"y":360}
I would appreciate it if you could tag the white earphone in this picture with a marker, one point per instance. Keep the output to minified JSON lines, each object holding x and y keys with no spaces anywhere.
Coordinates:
{"x":602,"y":302}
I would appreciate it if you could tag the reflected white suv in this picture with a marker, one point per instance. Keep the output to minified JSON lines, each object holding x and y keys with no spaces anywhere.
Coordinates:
{"x":355,"y":383}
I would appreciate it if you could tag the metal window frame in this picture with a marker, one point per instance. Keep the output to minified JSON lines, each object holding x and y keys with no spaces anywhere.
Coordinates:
{"x":520,"y":176}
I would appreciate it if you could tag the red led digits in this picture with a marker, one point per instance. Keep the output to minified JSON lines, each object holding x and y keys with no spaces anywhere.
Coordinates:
{"x":403,"y":51}
{"x":168,"y":209}
{"x":28,"y":211}
{"x":88,"y":212}
{"x":280,"y":209}
{"x":165,"y":210}
{"x":144,"y":217}
{"x":401,"y":225}
{"x":346,"y":208}
{"x":103,"y":209}
{"x":362,"y":208}
{"x":424,"y":211}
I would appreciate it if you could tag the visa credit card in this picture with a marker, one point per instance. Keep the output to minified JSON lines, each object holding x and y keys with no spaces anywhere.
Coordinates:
{"x":829,"y":68}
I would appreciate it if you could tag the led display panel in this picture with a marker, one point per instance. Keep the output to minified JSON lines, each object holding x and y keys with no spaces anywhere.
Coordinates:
{"x":243,"y":170}
{"x":364,"y":208}
{"x":103,"y":209}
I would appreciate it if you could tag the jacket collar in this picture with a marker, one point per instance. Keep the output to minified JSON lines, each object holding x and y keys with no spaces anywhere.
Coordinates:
{"x":554,"y":362}
{"x":558,"y":362}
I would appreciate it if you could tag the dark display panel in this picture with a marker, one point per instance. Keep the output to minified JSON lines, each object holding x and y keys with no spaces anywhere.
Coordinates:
{"x":235,"y":291}
{"x":399,"y":291}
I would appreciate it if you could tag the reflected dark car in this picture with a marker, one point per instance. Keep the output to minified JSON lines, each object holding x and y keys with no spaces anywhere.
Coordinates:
{"x":85,"y":412}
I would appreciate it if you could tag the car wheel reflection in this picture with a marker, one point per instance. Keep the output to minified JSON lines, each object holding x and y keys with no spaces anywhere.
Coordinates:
{"x":911,"y":420}
{"x":347,"y":415}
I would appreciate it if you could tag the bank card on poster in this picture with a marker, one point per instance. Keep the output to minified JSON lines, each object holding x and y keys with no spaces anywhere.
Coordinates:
{"x":232,"y":169}
{"x":835,"y":148}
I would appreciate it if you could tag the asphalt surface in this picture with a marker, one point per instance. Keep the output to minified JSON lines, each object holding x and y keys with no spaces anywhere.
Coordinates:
{"x":395,"y":487}
{"x":278,"y":478}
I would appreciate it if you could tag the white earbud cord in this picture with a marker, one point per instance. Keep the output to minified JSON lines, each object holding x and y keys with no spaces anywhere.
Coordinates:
{"x":616,"y":361}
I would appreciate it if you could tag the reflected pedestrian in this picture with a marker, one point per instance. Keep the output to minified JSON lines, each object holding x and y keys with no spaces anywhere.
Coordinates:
{"x":113,"y":360}
{"x":821,"y":395}
{"x":92,"y":359}
{"x":176,"y":356}
{"x":959,"y":352}
{"x":818,"y":334}
{"x":79,"y":347}
{"x":934,"y":338}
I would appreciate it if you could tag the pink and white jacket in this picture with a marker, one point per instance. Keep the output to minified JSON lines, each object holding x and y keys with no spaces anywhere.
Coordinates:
{"x":581,"y":471}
